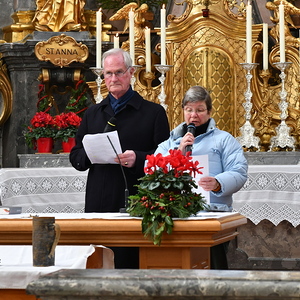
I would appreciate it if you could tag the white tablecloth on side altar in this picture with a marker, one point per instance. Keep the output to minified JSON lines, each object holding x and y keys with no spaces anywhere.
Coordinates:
{"x":272,"y":192}
{"x":47,"y":190}
{"x":17,"y":270}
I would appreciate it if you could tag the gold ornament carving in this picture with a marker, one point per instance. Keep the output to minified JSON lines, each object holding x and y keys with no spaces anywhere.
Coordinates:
{"x":235,"y":8}
{"x":267,"y":85}
{"x":23,"y":26}
{"x":61,"y":51}
{"x":6,"y":94}
{"x":141,"y":14}
{"x":58,"y":15}
{"x":207,"y":51}
{"x":289,"y":9}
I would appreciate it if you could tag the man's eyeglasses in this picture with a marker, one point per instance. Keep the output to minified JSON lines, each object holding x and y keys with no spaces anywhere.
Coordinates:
{"x":197,"y":111}
{"x":118,"y":74}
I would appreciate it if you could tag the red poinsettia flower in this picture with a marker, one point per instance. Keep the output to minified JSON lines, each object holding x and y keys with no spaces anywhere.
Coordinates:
{"x":42,"y":125}
{"x":65,"y":120}
{"x":42,"y":119}
{"x":165,"y":192}
{"x":67,"y":125}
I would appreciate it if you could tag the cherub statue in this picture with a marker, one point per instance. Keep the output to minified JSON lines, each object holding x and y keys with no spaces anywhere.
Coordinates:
{"x":139,"y":19}
{"x":289,"y":9}
{"x":59,"y":15}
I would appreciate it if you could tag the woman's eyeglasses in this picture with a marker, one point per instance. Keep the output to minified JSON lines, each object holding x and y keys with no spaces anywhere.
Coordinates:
{"x":197,"y":111}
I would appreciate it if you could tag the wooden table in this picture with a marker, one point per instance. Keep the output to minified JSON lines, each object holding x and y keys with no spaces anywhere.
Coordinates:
{"x":186,"y":248}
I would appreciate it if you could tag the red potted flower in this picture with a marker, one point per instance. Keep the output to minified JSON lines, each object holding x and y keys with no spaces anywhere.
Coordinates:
{"x":41,"y":133}
{"x":67,"y":125}
{"x":166,"y":192}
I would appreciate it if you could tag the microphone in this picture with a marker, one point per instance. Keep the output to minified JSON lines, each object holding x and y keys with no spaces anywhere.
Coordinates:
{"x":192,"y":129}
{"x":123,"y":209}
{"x":111,"y":125}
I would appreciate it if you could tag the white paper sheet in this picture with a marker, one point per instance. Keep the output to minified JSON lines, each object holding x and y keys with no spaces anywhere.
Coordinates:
{"x":203,"y":162}
{"x":99,"y":149}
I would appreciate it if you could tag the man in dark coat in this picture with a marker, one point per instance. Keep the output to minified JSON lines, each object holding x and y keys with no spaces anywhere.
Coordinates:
{"x":141,"y":126}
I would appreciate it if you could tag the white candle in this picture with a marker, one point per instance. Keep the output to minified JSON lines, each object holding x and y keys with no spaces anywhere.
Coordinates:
{"x":131,"y":35}
{"x":98,"y":38}
{"x":249,"y":33}
{"x":148,"y":49}
{"x":265,"y":47}
{"x":281,"y":33}
{"x":116,"y":41}
{"x":163,"y":35}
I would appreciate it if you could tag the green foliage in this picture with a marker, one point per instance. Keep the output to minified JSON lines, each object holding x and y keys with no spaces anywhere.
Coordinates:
{"x":166,"y":192}
{"x":44,"y":103}
{"x":66,"y":133}
{"x":31,"y":135}
{"x":78,"y":99}
{"x":162,"y":197}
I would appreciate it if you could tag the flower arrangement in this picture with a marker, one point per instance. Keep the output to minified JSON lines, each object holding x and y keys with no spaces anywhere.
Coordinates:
{"x":166,"y":192}
{"x":67,"y":125}
{"x":42,"y":125}
{"x":62,"y":126}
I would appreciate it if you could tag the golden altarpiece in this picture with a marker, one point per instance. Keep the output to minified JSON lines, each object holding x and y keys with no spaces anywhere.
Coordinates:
{"x":208,"y":51}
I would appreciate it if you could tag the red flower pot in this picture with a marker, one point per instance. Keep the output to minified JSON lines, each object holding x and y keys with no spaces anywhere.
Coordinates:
{"x":44,"y":145}
{"x":67,"y":146}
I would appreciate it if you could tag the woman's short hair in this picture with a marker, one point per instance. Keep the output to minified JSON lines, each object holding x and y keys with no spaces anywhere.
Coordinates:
{"x":195,"y":94}
{"x":115,"y":51}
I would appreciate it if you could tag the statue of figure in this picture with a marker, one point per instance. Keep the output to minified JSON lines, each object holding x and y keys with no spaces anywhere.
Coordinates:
{"x":139,"y":19}
{"x":59,"y":15}
{"x":289,"y":9}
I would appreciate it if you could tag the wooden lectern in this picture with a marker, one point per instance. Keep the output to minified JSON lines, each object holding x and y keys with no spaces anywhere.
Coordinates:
{"x":186,"y":248}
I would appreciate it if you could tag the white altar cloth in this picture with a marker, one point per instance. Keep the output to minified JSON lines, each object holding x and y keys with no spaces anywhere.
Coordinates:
{"x":112,"y":216}
{"x":271,"y":192}
{"x":52,"y":190}
{"x":16,"y":269}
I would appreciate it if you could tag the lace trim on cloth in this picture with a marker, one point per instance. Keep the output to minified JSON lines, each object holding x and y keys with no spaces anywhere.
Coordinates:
{"x":270,"y":193}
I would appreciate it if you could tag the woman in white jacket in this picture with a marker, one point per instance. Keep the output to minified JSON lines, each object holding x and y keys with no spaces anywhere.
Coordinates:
{"x":227,"y":164}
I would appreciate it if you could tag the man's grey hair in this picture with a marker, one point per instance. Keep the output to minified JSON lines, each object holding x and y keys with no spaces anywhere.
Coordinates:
{"x":115,"y":51}
{"x":195,"y":94}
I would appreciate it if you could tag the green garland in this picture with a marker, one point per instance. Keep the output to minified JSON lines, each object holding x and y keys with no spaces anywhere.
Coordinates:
{"x":78,"y":99}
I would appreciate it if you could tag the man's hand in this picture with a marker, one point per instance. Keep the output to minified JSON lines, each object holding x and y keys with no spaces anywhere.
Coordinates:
{"x":127,"y":158}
